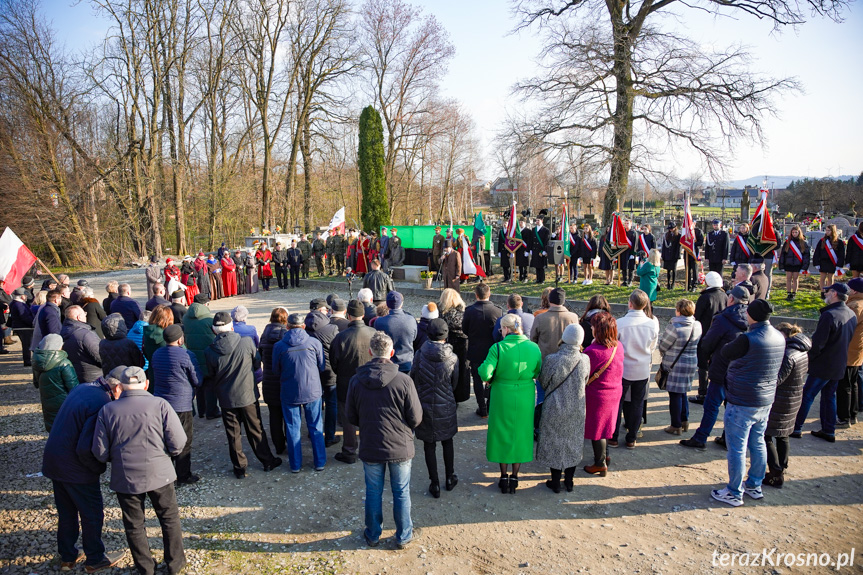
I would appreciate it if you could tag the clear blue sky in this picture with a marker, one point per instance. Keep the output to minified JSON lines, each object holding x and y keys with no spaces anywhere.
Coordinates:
{"x":818,"y":133}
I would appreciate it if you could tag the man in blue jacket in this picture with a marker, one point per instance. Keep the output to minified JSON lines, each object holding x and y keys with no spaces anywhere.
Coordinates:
{"x":827,"y":360}
{"x":176,"y":376}
{"x":402,"y":329}
{"x":750,"y":386}
{"x":70,"y":465}
{"x":299,"y":358}
{"x":126,"y":306}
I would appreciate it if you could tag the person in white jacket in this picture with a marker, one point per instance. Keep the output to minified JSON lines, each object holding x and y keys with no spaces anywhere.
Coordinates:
{"x":639,"y":334}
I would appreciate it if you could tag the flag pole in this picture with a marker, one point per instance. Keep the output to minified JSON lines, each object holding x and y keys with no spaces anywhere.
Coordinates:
{"x":41,"y":263}
{"x":612,"y":232}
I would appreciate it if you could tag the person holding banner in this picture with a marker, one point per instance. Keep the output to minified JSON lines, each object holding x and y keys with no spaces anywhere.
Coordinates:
{"x":829,"y":257}
{"x":627,"y":258}
{"x":793,"y":258}
{"x":572,"y":260}
{"x":670,"y":254}
{"x":741,"y":253}
{"x":587,"y":252}
{"x":854,"y":253}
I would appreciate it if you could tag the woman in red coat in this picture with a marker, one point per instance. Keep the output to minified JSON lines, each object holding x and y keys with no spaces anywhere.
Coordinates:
{"x":172,"y":272}
{"x":263,"y":257}
{"x":229,"y":275}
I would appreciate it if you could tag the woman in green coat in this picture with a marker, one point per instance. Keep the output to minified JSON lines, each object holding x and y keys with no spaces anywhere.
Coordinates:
{"x":510,"y":369}
{"x":54,"y":375}
{"x":648,"y":274}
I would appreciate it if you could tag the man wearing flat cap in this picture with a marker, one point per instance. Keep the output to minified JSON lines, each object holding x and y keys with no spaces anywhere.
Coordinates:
{"x":750,"y":386}
{"x":828,"y":359}
{"x":139,"y":433}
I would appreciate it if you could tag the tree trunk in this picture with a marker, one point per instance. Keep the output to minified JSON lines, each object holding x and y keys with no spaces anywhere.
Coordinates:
{"x":307,"y":174}
{"x":622,"y":151}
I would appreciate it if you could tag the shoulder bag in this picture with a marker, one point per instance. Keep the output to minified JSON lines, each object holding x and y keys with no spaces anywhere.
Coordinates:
{"x":662,"y":373}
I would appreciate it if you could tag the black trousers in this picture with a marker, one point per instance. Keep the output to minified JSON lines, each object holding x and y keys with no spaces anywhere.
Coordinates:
{"x":183,"y":462}
{"x":282,"y":275}
{"x":715,"y":267}
{"x":164,"y":501}
{"x":82,"y":500}
{"x":692,"y":272}
{"x":522,"y":273}
{"x":777,"y":453}
{"x":478,"y":388}
{"x":847,"y":401}
{"x":629,"y":411}
{"x":505,"y":265}
{"x":208,"y":401}
{"x":702,"y":382}
{"x":670,"y":277}
{"x":278,"y":430}
{"x":295,"y":276}
{"x":26,"y":337}
{"x":628,"y":270}
{"x":540,"y":274}
{"x":429,"y":447}
{"x":250,"y":418}
{"x":573,"y":270}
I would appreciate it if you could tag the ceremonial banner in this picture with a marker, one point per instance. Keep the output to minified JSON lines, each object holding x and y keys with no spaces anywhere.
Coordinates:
{"x":512,"y":233}
{"x":762,"y":236}
{"x":15,"y":260}
{"x":616,"y":241}
{"x":478,"y":228}
{"x":564,"y":233}
{"x":468,"y":266}
{"x":687,"y":237}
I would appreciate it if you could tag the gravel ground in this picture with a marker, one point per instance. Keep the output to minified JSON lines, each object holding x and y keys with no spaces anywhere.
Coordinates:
{"x":651,"y":514}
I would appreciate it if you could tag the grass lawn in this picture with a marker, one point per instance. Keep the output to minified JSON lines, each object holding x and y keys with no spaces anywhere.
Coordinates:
{"x":805,"y":305}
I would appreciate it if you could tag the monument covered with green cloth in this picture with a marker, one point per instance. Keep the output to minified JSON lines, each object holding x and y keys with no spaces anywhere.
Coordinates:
{"x":420,"y":237}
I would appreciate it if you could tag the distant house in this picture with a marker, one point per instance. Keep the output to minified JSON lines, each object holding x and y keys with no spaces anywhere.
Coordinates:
{"x":714,"y":196}
{"x":503,"y":187}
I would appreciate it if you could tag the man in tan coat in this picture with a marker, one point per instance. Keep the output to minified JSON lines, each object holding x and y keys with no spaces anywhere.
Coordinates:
{"x":548,"y":327}
{"x":848,"y":391}
{"x":450,"y":267}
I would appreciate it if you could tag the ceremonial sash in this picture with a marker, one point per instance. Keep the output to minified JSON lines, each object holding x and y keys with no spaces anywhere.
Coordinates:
{"x":857,"y":241}
{"x":743,"y":246}
{"x":643,"y":244}
{"x":587,"y":244}
{"x":830,"y":252}
{"x":539,"y":239}
{"x":628,"y":241}
{"x":795,"y":250}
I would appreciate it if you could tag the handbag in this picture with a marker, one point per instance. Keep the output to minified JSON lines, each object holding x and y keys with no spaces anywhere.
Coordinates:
{"x":662,"y":373}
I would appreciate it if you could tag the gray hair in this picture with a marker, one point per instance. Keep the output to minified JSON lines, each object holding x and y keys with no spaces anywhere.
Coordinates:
{"x":145,"y":315}
{"x":112,"y":286}
{"x":87,"y":292}
{"x":381,"y":345}
{"x":217,"y":329}
{"x":747,"y":269}
{"x":124,"y":289}
{"x":239,"y":313}
{"x":365,"y":295}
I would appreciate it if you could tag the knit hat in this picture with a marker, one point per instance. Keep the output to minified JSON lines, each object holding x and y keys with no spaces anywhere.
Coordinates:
{"x":557,"y":296}
{"x":740,"y":294}
{"x":51,"y":342}
{"x":27,"y":281}
{"x":201,"y":298}
{"x":172,"y":333}
{"x":339,"y":305}
{"x":240,"y":313}
{"x":573,"y":334}
{"x":430,"y":313}
{"x":856,"y":284}
{"x":222,"y":318}
{"x":437,"y":330}
{"x":330,"y":298}
{"x":713,"y":280}
{"x":356,"y":308}
{"x":395,"y":300}
{"x":133,"y":375}
{"x":760,"y":310}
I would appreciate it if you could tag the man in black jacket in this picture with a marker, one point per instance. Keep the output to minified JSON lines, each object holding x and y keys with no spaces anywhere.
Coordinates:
{"x":827,"y":361}
{"x":380,"y":283}
{"x":506,"y":258}
{"x":478,"y":325}
{"x":716,"y":247}
{"x":539,"y":246}
{"x":81,"y":344}
{"x":383,"y":404}
{"x":295,"y":263}
{"x":231,"y":362}
{"x":349,"y":350}
{"x":280,"y":261}
{"x":711,"y":301}
{"x":177,"y":306}
{"x":319,"y":327}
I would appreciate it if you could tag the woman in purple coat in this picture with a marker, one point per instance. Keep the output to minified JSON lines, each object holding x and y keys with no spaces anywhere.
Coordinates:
{"x":604,"y":388}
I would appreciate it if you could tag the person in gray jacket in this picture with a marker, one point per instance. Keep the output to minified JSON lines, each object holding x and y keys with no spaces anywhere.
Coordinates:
{"x":138,"y":433}
{"x":380,"y":283}
{"x":231,"y":362}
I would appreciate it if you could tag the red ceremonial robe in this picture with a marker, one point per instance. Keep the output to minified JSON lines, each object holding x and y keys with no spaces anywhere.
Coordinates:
{"x":362,"y":256}
{"x":229,"y":276}
{"x":265,"y":270}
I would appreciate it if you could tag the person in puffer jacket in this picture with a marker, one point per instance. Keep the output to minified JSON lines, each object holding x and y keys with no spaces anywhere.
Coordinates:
{"x":789,"y":396}
{"x":319,"y":327}
{"x":435,"y":374}
{"x":117,"y":349}
{"x":53,"y":375}
{"x":81,"y":344}
{"x":271,"y":385}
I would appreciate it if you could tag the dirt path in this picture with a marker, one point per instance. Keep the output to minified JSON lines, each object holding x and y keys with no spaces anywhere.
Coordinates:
{"x":652,"y":513}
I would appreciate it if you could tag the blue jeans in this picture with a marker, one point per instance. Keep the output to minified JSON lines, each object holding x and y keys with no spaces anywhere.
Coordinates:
{"x":714,"y":398}
{"x":827,"y":389}
{"x":678,"y":408}
{"x":82,"y":500}
{"x":400,"y":482}
{"x":293,"y":421}
{"x":331,"y":412}
{"x":744,"y":429}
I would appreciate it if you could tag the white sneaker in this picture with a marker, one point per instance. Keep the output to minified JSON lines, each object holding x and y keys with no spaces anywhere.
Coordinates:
{"x":753,"y":492}
{"x":727,"y":497}
{"x":588,"y":282}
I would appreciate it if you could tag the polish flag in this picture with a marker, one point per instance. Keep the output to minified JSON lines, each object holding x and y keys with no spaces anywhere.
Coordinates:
{"x":338,"y":222}
{"x":15,"y":260}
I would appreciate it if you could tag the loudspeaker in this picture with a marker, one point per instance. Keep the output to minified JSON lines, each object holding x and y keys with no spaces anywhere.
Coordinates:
{"x":555,"y":253}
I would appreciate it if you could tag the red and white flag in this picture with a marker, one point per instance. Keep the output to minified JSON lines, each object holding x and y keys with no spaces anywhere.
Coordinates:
{"x":338,"y":222}
{"x":687,"y":238}
{"x":15,"y":260}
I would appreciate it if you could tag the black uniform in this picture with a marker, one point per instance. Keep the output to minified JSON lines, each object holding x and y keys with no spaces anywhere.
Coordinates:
{"x":294,"y":261}
{"x":586,"y":249}
{"x":627,"y":263}
{"x":280,"y":261}
{"x":504,"y":254}
{"x":574,"y":242}
{"x":670,"y":256}
{"x":716,"y":249}
{"x":522,"y":259}
{"x":692,"y":263}
{"x":541,"y":237}
{"x":738,"y":254}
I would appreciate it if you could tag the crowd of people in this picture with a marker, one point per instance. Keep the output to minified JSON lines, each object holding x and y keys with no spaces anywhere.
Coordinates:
{"x":122,"y":384}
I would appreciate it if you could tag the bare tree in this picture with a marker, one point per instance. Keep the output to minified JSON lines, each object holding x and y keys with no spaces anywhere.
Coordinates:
{"x":614,"y":83}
